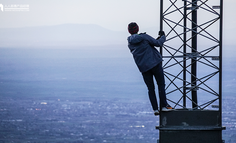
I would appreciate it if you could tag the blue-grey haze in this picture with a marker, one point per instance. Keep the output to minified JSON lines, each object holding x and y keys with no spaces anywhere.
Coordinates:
{"x":100,"y":80}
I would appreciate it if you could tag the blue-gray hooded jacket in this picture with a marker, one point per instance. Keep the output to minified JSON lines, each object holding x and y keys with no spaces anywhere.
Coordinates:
{"x":145,"y":54}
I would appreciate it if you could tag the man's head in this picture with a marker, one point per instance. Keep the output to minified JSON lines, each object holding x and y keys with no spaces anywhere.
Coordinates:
{"x":133,"y":28}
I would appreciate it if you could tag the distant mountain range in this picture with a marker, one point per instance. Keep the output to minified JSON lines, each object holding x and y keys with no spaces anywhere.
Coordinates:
{"x":60,"y":35}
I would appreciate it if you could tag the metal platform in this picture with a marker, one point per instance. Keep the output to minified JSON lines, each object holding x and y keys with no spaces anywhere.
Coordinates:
{"x":185,"y":126}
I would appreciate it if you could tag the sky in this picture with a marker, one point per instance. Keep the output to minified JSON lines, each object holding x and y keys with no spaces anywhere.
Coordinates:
{"x":111,"y":14}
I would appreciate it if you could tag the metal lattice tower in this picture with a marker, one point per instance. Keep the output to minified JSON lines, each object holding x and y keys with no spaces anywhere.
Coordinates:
{"x":192,"y":64}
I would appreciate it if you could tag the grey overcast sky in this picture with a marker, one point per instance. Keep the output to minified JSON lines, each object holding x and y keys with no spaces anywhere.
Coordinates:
{"x":110,"y":14}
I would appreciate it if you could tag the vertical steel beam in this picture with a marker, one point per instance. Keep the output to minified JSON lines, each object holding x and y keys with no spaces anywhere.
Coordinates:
{"x":194,"y":51}
{"x":184,"y":51}
{"x":161,"y":20}
{"x":161,"y":29}
{"x":220,"y":62}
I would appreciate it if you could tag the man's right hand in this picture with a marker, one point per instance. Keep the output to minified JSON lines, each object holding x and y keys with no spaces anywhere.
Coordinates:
{"x":161,"y":33}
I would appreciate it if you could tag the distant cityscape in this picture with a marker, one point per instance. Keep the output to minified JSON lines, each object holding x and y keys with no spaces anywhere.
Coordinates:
{"x":76,"y":121}
{"x":85,"y":121}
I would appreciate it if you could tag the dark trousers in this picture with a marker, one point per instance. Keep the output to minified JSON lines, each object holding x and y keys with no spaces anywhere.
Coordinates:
{"x":156,"y":72}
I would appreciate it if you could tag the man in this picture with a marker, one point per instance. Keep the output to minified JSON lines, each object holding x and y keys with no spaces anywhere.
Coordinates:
{"x":149,"y":62}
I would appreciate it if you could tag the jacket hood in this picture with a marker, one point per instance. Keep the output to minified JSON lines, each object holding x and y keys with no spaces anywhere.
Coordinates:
{"x":135,"y":39}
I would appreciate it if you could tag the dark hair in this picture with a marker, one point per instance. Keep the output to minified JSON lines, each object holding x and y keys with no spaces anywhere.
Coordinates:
{"x":133,"y":28}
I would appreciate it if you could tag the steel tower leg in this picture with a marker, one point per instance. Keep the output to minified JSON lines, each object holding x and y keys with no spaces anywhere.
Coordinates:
{"x":194,"y":53}
{"x":197,"y":118}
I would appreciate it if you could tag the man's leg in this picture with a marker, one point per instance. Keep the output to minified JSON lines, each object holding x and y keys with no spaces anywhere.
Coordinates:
{"x":159,"y":76}
{"x":148,"y":79}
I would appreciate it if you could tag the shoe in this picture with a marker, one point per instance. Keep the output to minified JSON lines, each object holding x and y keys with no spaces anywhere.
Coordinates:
{"x":167,"y":108}
{"x":156,"y":112}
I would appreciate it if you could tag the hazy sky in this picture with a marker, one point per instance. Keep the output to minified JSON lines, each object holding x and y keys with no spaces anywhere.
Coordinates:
{"x":111,"y":14}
